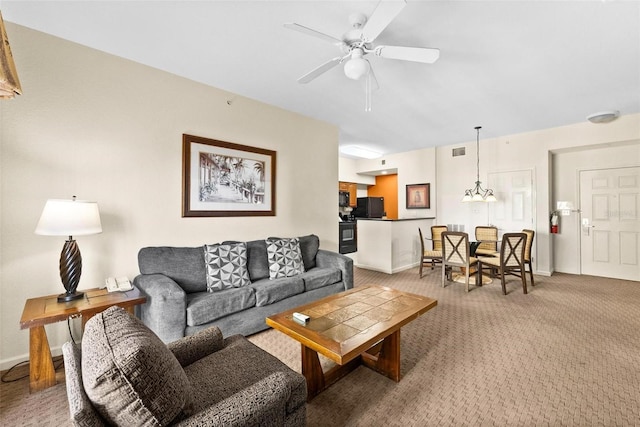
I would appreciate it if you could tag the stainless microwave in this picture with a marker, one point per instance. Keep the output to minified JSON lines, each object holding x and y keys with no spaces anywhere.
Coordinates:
{"x":343,"y":199}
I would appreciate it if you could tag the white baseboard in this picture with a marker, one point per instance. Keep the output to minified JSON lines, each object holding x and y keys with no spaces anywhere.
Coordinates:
{"x":10,"y":362}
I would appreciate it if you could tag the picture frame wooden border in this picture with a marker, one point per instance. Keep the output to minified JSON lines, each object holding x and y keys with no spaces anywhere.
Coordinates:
{"x":418,"y":196}
{"x":213,"y":185}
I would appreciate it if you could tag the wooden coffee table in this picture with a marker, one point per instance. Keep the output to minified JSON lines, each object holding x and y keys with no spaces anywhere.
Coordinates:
{"x":359,"y":326}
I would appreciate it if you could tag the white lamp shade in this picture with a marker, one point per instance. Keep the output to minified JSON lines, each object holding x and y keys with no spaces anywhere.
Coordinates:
{"x":477,"y":198}
{"x":356,"y":68}
{"x":69,"y":218}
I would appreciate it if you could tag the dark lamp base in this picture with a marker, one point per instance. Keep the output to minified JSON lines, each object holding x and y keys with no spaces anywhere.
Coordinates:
{"x":70,"y":297}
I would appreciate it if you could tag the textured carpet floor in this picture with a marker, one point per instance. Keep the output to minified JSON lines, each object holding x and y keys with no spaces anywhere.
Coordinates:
{"x":568,"y":353}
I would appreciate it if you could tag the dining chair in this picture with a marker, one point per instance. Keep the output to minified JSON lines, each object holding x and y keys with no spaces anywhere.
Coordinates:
{"x":433,"y":256}
{"x":488,"y":238}
{"x":527,"y":252}
{"x":511,"y":259}
{"x":455,"y":253}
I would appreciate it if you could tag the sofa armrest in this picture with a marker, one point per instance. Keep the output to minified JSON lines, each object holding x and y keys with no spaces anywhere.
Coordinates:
{"x":326,"y":258}
{"x":194,"y":347}
{"x":261,"y":404}
{"x":165,"y":311}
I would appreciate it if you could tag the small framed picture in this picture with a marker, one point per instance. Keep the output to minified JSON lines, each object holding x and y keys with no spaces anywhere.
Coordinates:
{"x":418,"y":196}
{"x":226,"y":179}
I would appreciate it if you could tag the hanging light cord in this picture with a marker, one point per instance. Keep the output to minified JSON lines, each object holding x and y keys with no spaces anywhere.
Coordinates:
{"x":482,"y":194}
{"x":478,"y":156}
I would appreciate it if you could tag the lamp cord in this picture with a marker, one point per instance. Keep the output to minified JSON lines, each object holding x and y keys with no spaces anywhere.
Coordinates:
{"x":56,"y":359}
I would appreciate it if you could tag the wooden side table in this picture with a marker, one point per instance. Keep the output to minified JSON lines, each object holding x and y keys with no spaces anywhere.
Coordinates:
{"x":45,"y":310}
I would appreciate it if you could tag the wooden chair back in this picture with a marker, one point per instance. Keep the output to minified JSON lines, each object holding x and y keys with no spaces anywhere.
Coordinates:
{"x":485,"y":233}
{"x":455,"y":248}
{"x":512,"y":251}
{"x":421,"y":242}
{"x":436,"y":236}
{"x":527,"y":249}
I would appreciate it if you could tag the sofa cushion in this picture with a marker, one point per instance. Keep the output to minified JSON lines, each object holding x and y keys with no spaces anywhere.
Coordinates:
{"x":285,"y":258}
{"x":129,"y":374}
{"x":226,"y":266}
{"x":184,"y":265}
{"x":269,"y":291}
{"x":320,"y":277}
{"x":257,"y":261}
{"x":309,"y":246}
{"x":203,"y":307}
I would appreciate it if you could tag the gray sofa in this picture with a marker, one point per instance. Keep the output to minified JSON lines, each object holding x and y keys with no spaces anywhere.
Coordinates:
{"x":178,"y":304}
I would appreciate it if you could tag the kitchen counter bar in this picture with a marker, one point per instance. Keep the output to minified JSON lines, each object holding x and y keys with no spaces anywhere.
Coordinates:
{"x":390,"y":245}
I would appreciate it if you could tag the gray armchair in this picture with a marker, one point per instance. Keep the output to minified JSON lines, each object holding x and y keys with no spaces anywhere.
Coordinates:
{"x":129,"y":377}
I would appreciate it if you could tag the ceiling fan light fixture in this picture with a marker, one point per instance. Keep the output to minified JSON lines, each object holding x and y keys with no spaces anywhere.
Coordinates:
{"x":603,"y":116}
{"x":356,"y":67}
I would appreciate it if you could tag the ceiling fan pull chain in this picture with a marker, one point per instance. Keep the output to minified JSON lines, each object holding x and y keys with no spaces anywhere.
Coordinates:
{"x":367,"y":89}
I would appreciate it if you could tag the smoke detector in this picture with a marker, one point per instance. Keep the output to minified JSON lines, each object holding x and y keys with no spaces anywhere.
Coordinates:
{"x":603,"y":116}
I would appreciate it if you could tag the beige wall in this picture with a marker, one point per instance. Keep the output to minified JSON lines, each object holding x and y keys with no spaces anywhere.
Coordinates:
{"x":106,"y":129}
{"x":413,"y":167}
{"x":568,"y":165}
{"x":615,"y":144}
{"x":348,"y":170}
{"x":530,"y":151}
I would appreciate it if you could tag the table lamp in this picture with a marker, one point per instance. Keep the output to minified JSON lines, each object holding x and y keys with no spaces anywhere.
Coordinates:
{"x":69,"y":218}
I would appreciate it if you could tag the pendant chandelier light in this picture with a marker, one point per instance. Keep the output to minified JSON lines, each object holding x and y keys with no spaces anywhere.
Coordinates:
{"x":477,"y":193}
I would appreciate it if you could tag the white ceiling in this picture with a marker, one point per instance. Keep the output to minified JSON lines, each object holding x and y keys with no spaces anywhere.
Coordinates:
{"x":509,"y":66}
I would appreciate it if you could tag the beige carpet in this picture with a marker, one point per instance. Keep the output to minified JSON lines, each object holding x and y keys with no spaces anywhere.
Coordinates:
{"x":568,"y":353}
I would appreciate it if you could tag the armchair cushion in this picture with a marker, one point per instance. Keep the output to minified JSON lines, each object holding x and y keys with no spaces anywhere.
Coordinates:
{"x":233,"y":374}
{"x":129,"y":374}
{"x":260,"y":404}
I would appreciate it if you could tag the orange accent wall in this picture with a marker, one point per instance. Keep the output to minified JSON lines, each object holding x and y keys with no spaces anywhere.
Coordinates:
{"x":386,"y":186}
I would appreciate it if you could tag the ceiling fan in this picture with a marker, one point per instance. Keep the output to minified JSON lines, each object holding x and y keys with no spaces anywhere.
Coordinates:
{"x":358,"y":42}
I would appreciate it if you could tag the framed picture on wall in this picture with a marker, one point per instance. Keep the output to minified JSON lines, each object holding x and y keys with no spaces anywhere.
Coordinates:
{"x":226,"y":179}
{"x":418,"y":196}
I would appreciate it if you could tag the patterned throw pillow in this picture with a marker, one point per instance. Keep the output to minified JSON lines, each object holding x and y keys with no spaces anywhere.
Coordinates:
{"x":285,"y":258}
{"x":226,"y":266}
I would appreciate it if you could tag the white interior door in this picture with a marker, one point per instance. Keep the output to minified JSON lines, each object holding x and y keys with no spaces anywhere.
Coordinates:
{"x":610,"y":223}
{"x":514,"y":209}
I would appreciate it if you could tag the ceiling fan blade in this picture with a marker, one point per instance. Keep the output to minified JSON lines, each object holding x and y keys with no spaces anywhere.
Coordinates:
{"x":312,"y":32}
{"x":385,"y":12}
{"x":426,"y":55}
{"x":320,"y":70}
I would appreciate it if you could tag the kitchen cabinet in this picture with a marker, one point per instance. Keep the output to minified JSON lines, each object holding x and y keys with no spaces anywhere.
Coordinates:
{"x":352,"y":188}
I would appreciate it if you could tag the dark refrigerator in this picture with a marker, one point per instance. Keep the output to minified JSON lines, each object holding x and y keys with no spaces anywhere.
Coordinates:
{"x":369,"y":207}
